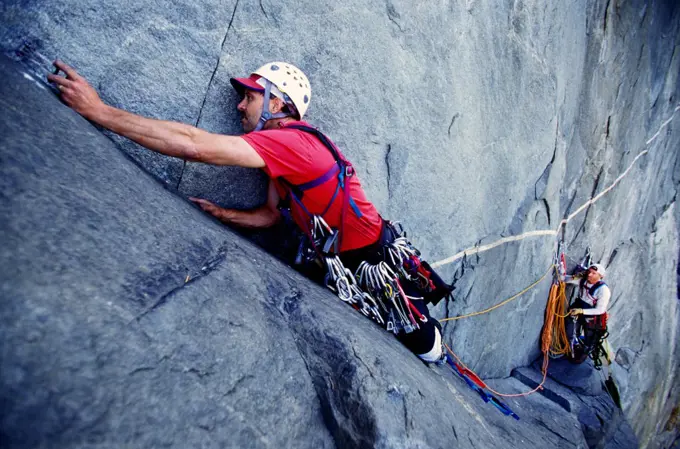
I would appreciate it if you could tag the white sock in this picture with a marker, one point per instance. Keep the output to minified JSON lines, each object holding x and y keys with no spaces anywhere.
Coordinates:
{"x":436,"y":352}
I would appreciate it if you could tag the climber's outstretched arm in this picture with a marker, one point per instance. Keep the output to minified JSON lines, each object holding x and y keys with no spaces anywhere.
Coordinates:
{"x":165,"y":137}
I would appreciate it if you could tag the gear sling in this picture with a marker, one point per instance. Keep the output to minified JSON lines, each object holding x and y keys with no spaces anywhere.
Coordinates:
{"x":392,"y":284}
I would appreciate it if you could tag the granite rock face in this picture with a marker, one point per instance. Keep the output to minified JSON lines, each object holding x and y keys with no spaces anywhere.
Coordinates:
{"x":130,"y":319}
{"x":470,"y":122}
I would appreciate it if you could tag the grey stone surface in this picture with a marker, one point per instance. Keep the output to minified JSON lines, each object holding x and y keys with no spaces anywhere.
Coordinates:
{"x":625,"y":357}
{"x":468,"y":121}
{"x":105,"y":342}
{"x":154,"y":59}
{"x":130,"y":319}
{"x":602,"y":423}
{"x":581,"y":378}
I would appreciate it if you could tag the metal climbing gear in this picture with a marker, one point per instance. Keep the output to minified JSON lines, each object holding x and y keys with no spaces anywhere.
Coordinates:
{"x":405,"y":259}
{"x":587,"y":260}
{"x":376,"y":289}
{"x":339,"y":279}
{"x":381,"y":281}
{"x":577,"y":348}
{"x":560,"y":261}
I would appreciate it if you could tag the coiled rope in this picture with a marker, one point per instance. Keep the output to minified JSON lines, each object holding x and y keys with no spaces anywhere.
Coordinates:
{"x":555,"y":322}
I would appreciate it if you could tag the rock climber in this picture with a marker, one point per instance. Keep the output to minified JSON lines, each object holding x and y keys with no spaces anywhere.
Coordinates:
{"x":590,"y":307}
{"x":308,"y":171}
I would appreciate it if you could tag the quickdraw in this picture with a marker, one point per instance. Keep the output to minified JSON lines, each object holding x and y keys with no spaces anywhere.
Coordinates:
{"x":405,"y":259}
{"x":375,"y":290}
{"x":339,"y":279}
{"x":382,"y":282}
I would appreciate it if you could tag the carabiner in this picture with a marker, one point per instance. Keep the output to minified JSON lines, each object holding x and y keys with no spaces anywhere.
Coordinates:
{"x":344,"y":292}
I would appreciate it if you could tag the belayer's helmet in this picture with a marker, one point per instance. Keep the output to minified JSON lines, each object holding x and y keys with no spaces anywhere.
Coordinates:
{"x":598,"y":268}
{"x":282,"y":80}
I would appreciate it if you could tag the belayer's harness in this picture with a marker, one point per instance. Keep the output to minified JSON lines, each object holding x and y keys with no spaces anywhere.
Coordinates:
{"x":596,"y":325}
{"x":376,"y":289}
{"x":597,"y":322}
{"x":593,"y":288}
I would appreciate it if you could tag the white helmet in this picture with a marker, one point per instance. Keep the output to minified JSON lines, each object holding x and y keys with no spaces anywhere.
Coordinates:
{"x":282,"y":80}
{"x":598,"y":268}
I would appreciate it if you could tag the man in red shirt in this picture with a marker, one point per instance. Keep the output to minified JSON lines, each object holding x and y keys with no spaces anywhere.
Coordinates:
{"x":299,"y":163}
{"x":297,"y":158}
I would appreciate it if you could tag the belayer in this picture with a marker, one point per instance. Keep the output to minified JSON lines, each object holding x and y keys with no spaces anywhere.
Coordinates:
{"x":367,"y":260}
{"x":590,"y":307}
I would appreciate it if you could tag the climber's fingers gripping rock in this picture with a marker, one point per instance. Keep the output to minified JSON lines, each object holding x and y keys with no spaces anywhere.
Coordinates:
{"x":208,"y":207}
{"x":75,"y":91}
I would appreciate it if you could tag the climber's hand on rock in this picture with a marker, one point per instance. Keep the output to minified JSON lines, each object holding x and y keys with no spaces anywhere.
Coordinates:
{"x":208,"y":207}
{"x":75,"y":91}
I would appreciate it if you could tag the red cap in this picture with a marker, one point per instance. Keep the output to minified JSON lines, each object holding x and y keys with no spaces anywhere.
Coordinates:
{"x":241,"y":84}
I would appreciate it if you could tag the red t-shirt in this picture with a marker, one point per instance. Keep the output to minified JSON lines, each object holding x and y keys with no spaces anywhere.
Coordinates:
{"x":300,"y":157}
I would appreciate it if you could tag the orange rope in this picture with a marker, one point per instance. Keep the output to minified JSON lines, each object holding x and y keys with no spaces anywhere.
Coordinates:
{"x":559,"y":344}
{"x":556,"y":299}
{"x":540,"y":387}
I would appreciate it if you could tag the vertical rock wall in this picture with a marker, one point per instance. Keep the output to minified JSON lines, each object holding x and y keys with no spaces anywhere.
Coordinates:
{"x":468,"y":121}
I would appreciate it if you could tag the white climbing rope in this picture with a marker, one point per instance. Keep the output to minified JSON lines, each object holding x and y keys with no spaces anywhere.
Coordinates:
{"x":550,"y":232}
